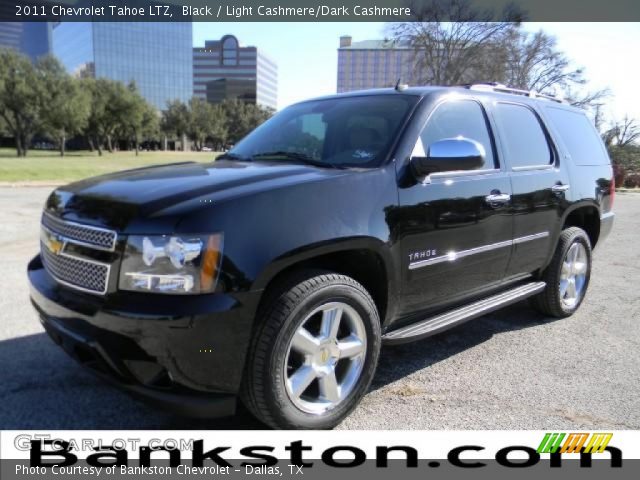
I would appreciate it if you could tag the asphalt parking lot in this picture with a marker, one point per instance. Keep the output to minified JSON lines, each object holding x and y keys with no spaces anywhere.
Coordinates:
{"x":513,"y":369}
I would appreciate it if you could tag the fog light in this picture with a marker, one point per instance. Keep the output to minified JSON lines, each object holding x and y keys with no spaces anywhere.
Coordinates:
{"x":160,"y":283}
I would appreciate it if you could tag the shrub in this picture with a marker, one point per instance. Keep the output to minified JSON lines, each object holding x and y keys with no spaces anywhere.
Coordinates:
{"x":620,"y":174}
{"x":632,"y":181}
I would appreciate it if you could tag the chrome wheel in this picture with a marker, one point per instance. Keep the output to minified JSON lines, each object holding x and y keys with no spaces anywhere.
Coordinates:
{"x":573,"y":275}
{"x":325,"y":358}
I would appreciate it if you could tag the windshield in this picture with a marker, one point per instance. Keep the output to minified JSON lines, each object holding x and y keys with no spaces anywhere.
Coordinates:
{"x":337,"y":132}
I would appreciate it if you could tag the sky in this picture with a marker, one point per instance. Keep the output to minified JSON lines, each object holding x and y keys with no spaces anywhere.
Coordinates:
{"x":306,"y":54}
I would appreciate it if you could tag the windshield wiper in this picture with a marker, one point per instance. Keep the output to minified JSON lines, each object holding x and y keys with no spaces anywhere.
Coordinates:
{"x":233,"y":156}
{"x":297,"y":156}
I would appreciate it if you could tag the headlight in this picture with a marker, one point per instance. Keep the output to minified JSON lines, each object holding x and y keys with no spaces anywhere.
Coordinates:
{"x":175,"y":264}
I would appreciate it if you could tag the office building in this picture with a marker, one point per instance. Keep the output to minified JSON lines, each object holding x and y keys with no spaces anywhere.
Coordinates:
{"x":373,"y":64}
{"x":155,"y":55}
{"x":30,"y":38}
{"x":223,"y":69}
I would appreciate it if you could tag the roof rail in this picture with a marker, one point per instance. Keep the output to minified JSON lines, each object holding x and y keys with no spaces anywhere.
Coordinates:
{"x":499,"y":87}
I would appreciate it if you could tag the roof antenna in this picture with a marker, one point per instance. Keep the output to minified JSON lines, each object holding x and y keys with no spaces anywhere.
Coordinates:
{"x":401,"y":86}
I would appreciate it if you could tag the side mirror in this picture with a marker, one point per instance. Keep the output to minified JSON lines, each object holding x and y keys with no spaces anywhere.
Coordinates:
{"x":448,"y":155}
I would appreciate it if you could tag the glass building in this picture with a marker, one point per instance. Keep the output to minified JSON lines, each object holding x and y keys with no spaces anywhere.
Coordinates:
{"x":223,"y":69}
{"x":373,"y":64}
{"x":156,"y":56}
{"x":30,"y":38}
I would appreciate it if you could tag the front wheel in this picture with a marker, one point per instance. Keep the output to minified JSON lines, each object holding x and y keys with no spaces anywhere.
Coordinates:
{"x":567,"y":276}
{"x":314,"y":353}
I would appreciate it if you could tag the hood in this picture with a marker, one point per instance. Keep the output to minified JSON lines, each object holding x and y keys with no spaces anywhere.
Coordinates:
{"x":115,"y":199}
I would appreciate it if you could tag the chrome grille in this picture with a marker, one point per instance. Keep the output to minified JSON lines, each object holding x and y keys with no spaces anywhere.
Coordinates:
{"x":99,"y":238}
{"x":76,"y":272}
{"x":79,"y":271}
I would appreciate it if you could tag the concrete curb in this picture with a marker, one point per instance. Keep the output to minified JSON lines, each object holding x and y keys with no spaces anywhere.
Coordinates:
{"x":44,"y":183}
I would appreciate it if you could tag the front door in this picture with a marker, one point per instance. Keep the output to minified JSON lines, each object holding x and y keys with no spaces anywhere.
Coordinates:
{"x":455,"y":227}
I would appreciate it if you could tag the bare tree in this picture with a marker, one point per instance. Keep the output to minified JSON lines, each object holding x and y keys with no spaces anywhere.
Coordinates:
{"x":534,"y":62}
{"x":622,"y":134}
{"x":454,"y":42}
{"x":586,"y":99}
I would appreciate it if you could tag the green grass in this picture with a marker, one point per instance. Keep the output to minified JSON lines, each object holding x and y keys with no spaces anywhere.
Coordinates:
{"x":49,"y":166}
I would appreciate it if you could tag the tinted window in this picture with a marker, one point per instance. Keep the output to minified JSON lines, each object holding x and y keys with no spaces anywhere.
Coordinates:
{"x":457,"y":118}
{"x":521,"y":134}
{"x":345,"y":132}
{"x":579,"y":136}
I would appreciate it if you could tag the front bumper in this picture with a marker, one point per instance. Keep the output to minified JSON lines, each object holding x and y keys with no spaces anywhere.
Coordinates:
{"x":182,"y":353}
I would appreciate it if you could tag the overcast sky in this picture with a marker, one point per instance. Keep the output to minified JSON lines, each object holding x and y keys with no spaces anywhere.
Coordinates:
{"x":306,"y":54}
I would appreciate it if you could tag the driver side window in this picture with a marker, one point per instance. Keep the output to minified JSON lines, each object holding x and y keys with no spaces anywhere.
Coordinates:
{"x":457,"y":118}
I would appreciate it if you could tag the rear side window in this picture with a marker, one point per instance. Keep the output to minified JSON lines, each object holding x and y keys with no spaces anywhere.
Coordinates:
{"x":456,"y":118}
{"x":521,"y":134}
{"x":579,"y":136}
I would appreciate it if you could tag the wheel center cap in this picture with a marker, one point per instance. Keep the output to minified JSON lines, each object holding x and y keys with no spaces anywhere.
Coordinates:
{"x":324,"y":355}
{"x":328,"y":354}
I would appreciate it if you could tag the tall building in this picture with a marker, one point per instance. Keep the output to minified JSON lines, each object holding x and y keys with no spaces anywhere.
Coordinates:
{"x":373,"y":64}
{"x":223,"y":69}
{"x":30,"y":38}
{"x":155,"y":55}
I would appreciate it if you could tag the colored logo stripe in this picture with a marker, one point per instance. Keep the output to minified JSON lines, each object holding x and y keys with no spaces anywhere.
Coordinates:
{"x":574,"y":443}
{"x":551,"y":442}
{"x":598,"y":442}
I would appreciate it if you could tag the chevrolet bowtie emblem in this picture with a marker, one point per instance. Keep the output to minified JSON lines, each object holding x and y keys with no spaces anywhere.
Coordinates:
{"x":324,"y":355}
{"x":52,"y":242}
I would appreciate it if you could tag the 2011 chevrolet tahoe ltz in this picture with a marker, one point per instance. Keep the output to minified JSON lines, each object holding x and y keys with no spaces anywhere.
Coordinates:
{"x":275,"y":273}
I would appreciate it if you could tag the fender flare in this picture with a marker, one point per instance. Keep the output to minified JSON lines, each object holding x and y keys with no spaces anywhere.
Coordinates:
{"x":315,"y":250}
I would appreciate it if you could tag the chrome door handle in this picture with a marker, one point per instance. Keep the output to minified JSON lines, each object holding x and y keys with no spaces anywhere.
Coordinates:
{"x":497,"y":198}
{"x":560,"y":188}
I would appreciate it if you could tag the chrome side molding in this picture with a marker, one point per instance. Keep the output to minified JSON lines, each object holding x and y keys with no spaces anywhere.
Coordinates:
{"x":453,"y":256}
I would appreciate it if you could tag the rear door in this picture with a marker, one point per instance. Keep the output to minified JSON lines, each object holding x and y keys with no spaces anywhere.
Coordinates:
{"x":455,"y":227}
{"x":539,"y":185}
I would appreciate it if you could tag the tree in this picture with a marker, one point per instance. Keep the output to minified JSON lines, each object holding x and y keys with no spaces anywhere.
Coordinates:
{"x":95,"y":130}
{"x":150,"y":128}
{"x":175,"y":121}
{"x":22,"y":97}
{"x":135,"y":120}
{"x":122,"y":112}
{"x":206,"y":121}
{"x":116,"y":112}
{"x":242,"y":118}
{"x":623,"y":134}
{"x":455,"y":43}
{"x":534,"y":62}
{"x":67,"y":109}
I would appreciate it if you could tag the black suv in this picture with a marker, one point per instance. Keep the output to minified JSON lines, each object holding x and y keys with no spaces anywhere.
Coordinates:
{"x":343,"y":223}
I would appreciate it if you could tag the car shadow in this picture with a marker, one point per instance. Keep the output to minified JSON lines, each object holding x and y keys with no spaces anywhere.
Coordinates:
{"x":398,"y":361}
{"x":42,"y":388}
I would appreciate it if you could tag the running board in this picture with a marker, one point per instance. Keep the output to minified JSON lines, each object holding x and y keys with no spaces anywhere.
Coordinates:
{"x":432,"y":325}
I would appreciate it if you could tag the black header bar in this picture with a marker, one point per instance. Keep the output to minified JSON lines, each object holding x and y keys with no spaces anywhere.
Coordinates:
{"x":314,"y":10}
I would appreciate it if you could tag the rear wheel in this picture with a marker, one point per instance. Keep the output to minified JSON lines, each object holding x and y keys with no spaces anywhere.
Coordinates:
{"x":567,"y":276}
{"x":314,"y":353}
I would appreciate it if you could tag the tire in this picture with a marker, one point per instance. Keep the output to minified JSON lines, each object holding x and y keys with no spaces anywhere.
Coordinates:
{"x":270,"y":390}
{"x":556,"y":299}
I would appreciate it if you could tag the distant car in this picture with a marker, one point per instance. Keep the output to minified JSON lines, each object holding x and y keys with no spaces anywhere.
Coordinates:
{"x":207,"y":149}
{"x":276,"y":272}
